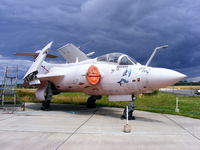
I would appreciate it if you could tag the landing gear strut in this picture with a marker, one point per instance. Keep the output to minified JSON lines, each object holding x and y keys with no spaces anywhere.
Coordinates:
{"x":91,"y":101}
{"x":47,"y":101}
{"x":131,"y":108}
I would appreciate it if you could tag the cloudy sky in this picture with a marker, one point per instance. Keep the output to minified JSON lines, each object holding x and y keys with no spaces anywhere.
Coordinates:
{"x":134,"y":27}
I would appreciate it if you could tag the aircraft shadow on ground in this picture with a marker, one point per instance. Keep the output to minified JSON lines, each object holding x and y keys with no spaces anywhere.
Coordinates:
{"x":82,"y":110}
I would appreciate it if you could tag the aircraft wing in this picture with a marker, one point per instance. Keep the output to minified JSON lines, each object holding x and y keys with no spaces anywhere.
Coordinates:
{"x":72,"y":53}
{"x":49,"y":76}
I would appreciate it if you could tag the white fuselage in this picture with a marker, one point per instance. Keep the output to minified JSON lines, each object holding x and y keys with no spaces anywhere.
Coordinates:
{"x":115,"y":79}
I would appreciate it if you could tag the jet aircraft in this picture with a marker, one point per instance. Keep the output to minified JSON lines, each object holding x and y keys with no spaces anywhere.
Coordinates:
{"x":116,"y":75}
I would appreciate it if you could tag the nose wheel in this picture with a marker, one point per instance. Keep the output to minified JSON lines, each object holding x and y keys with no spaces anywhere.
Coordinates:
{"x":131,"y":108}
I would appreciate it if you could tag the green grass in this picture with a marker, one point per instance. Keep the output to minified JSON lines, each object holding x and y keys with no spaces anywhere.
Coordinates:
{"x":159,"y":102}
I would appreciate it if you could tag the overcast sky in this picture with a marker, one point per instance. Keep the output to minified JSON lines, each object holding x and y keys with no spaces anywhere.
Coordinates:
{"x":134,"y":27}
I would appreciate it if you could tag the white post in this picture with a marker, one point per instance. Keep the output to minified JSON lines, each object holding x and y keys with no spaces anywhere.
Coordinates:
{"x":177,"y":109}
{"x":126,"y":114}
{"x":127,"y":128}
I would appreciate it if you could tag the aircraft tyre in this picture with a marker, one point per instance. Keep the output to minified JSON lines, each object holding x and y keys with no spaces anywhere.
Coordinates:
{"x":91,"y":102}
{"x":46,"y":105}
{"x":130,"y":115}
{"x":131,"y":108}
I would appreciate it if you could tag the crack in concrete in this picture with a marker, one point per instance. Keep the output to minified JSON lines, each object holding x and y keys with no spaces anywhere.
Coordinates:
{"x":183,"y":128}
{"x":75,"y":131}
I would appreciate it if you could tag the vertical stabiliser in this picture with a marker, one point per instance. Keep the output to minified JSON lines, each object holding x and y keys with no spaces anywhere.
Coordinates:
{"x":72,"y":53}
{"x":33,"y":70}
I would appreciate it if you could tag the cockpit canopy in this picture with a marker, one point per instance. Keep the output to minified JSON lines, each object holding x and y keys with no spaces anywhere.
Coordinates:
{"x":119,"y":58}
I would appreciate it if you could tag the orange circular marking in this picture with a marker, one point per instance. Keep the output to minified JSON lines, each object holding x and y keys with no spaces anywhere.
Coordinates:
{"x":93,"y":75}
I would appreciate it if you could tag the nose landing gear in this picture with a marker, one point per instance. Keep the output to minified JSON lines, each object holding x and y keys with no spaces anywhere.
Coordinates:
{"x":131,"y":108}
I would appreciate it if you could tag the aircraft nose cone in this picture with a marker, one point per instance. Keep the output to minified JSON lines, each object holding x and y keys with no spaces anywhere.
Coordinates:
{"x":160,"y":77}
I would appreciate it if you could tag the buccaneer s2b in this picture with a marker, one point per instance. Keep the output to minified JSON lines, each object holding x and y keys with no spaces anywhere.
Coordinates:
{"x":116,"y":75}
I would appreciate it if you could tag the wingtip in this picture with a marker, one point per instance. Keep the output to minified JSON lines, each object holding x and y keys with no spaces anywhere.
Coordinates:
{"x":50,"y":43}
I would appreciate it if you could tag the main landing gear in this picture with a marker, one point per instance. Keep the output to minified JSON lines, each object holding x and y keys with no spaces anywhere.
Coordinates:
{"x":49,"y":93}
{"x":131,"y":108}
{"x":91,"y":101}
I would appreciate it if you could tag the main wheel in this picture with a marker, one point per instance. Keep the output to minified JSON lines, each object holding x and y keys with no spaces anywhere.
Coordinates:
{"x":91,"y":102}
{"x":46,"y":105}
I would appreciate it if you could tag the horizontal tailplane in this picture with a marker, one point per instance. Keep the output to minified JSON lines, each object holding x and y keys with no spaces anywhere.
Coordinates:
{"x":34,"y":55}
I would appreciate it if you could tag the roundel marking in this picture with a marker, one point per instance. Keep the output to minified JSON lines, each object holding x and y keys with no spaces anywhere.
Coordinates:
{"x":93,"y":75}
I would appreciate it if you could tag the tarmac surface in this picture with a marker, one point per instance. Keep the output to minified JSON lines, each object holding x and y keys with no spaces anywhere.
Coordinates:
{"x":69,"y":127}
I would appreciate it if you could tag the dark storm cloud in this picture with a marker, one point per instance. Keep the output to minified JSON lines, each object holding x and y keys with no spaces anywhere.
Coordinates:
{"x":139,"y":26}
{"x":134,"y":27}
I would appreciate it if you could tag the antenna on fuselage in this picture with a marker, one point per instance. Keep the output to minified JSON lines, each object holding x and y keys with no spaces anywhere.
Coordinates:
{"x":76,"y":59}
{"x":154,"y":52}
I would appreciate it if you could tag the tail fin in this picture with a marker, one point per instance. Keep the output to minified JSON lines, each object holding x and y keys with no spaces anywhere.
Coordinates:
{"x":71,"y":53}
{"x":33,"y":70}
